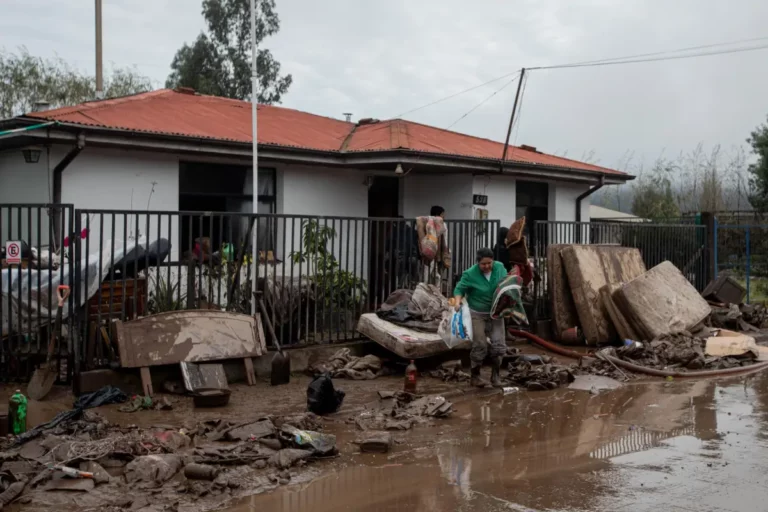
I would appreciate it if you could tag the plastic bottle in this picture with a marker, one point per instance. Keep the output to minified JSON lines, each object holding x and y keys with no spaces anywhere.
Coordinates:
{"x":411,"y":374}
{"x":17,"y":413}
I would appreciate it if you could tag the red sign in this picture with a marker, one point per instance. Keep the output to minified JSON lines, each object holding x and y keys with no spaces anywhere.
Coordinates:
{"x":13,"y":252}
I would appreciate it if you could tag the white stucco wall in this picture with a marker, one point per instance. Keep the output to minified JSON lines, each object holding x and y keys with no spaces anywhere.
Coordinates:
{"x":124,"y":180}
{"x":501,"y":194}
{"x":23,"y":183}
{"x":562,"y":207}
{"x":451,"y":191}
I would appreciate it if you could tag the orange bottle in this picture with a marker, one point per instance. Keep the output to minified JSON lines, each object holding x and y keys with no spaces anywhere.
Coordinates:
{"x":411,"y":374}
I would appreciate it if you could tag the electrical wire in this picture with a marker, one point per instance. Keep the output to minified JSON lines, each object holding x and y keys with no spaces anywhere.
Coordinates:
{"x":507,"y":84}
{"x":458,"y":93}
{"x":627,"y":59}
{"x":653,"y":59}
{"x":664,"y":52}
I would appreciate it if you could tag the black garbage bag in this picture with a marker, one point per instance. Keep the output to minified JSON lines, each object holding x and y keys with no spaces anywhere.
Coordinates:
{"x":322,"y":398}
{"x":104,"y":396}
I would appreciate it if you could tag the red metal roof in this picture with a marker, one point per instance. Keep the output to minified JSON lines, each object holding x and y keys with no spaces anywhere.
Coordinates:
{"x":193,"y":115}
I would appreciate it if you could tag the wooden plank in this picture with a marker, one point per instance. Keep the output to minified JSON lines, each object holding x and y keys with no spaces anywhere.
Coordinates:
{"x":191,"y":335}
{"x":146,"y":381}
{"x":250,"y":375}
{"x":623,"y":327}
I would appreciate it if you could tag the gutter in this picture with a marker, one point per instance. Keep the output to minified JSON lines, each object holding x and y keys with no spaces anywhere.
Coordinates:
{"x":587,"y":194}
{"x":57,"y":172}
{"x":8,"y":133}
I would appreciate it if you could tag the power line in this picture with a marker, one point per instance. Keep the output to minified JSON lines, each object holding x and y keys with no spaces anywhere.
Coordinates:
{"x":483,"y":101}
{"x":664,"y":52}
{"x":656,"y":59}
{"x":458,"y":93}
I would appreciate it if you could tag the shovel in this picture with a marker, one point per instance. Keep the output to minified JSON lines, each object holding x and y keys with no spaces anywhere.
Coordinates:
{"x":281,"y":363}
{"x":44,"y":377}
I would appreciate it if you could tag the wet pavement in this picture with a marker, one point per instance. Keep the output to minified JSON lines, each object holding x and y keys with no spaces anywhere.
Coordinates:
{"x":682,"y":445}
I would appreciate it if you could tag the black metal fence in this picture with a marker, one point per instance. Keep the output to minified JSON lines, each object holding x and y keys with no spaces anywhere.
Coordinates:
{"x":685,"y":245}
{"x":35,"y":259}
{"x":316,"y":275}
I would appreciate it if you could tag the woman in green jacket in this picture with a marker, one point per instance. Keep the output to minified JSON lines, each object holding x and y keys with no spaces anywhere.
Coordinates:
{"x":477,"y":285}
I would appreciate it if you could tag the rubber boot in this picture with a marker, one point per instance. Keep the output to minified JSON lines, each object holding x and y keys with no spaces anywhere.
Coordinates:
{"x":476,"y":380}
{"x":496,"y":372}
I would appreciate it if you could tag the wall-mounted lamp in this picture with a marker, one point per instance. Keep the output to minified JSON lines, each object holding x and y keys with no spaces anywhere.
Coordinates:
{"x":400,"y":172}
{"x":31,"y":155}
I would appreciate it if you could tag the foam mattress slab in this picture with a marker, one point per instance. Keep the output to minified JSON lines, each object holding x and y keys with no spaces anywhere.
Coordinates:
{"x":589,"y":268}
{"x":661,"y":301}
{"x":404,"y":342}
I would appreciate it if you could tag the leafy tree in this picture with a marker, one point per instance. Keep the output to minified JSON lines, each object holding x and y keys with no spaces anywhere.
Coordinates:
{"x":759,"y":170}
{"x":653,"y":195}
{"x":219,"y":61}
{"x":26,"y":79}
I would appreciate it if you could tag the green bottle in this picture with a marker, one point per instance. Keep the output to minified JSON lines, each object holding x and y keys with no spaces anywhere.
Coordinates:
{"x":17,"y":413}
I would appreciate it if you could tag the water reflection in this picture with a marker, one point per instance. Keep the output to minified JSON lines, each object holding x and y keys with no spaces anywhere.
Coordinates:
{"x":561,"y":450}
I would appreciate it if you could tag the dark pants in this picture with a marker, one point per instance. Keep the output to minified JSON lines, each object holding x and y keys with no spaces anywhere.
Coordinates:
{"x":484,"y":327}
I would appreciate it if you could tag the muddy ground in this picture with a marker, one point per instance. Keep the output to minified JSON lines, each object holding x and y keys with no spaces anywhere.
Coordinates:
{"x":684,"y":445}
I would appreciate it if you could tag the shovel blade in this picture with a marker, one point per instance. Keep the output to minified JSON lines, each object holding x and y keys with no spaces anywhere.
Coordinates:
{"x":41,"y":382}
{"x":281,"y":369}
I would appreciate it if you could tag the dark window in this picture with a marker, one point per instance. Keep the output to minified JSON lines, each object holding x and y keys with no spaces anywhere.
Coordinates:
{"x":531,"y":201}
{"x":205,"y":187}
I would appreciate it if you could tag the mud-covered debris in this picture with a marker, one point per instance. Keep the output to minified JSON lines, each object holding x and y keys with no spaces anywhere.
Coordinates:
{"x":140,"y":403}
{"x":195,"y":471}
{"x":318,"y":443}
{"x":288,"y":457}
{"x":252,"y":431}
{"x":374,"y":441}
{"x":10,"y":493}
{"x":743,"y":317}
{"x":450,"y":371}
{"x":100,"y":475}
{"x":63,"y":483}
{"x":304,"y":421}
{"x":403,"y":412}
{"x":343,"y":364}
{"x":153,"y":468}
{"x":535,"y":376}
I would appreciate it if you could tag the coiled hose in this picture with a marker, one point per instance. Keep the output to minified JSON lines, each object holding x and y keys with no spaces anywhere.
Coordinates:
{"x":637,"y":368}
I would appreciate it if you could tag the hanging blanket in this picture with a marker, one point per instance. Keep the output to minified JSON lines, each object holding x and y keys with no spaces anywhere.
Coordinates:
{"x":508,"y":301}
{"x":433,"y":242}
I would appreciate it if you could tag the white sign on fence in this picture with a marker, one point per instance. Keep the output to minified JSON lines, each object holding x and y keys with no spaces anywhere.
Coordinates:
{"x":13,"y":252}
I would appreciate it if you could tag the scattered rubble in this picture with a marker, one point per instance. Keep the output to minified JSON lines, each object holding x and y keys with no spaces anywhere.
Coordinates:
{"x":744,"y":317}
{"x":450,"y":371}
{"x":374,"y":441}
{"x":344,"y":365}
{"x":402,"y":411}
{"x":537,"y":375}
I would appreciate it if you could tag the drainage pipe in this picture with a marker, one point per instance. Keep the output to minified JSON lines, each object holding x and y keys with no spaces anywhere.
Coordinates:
{"x":637,"y":368}
{"x":589,"y":192}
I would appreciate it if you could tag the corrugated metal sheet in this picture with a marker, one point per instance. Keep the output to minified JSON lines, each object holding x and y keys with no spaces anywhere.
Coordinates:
{"x":191,"y":115}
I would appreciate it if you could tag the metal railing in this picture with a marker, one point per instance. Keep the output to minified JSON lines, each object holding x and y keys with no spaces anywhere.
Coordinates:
{"x":39,"y":236}
{"x":317,"y":275}
{"x":682,"y":244}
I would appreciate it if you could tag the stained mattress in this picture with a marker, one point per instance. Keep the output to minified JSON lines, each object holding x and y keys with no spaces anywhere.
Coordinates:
{"x":406,"y":343}
{"x":661,"y":301}
{"x":564,"y":314}
{"x":589,"y":268}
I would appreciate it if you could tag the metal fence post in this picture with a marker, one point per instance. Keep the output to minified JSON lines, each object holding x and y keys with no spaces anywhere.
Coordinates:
{"x":749,"y":261}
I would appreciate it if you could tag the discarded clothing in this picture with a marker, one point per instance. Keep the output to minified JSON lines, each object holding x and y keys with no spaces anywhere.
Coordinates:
{"x":322,"y":398}
{"x":507,"y":300}
{"x":420,"y":309}
{"x":403,"y":411}
{"x":104,"y":396}
{"x":343,"y":364}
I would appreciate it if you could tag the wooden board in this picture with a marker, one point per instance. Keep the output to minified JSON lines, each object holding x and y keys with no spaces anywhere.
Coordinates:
{"x":193,"y":335}
{"x":622,"y":325}
{"x":564,"y":314}
{"x":661,"y":301}
{"x":589,"y":268}
{"x":203,"y":376}
{"x":404,"y":342}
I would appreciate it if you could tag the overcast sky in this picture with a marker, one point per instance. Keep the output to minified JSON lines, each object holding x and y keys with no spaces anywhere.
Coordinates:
{"x":380,"y":59}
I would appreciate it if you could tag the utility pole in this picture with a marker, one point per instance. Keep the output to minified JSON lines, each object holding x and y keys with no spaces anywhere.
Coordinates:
{"x":512,"y":120}
{"x":99,"y":70}
{"x":255,"y":170}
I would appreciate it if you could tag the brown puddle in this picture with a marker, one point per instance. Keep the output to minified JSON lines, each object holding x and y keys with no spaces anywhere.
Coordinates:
{"x":684,"y":445}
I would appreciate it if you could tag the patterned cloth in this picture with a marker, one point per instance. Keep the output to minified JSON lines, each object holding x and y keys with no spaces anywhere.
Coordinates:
{"x":507,"y":299}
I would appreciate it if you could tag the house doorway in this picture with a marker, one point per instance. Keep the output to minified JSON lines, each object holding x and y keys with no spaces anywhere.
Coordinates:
{"x":383,"y":202}
{"x":531,"y":201}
